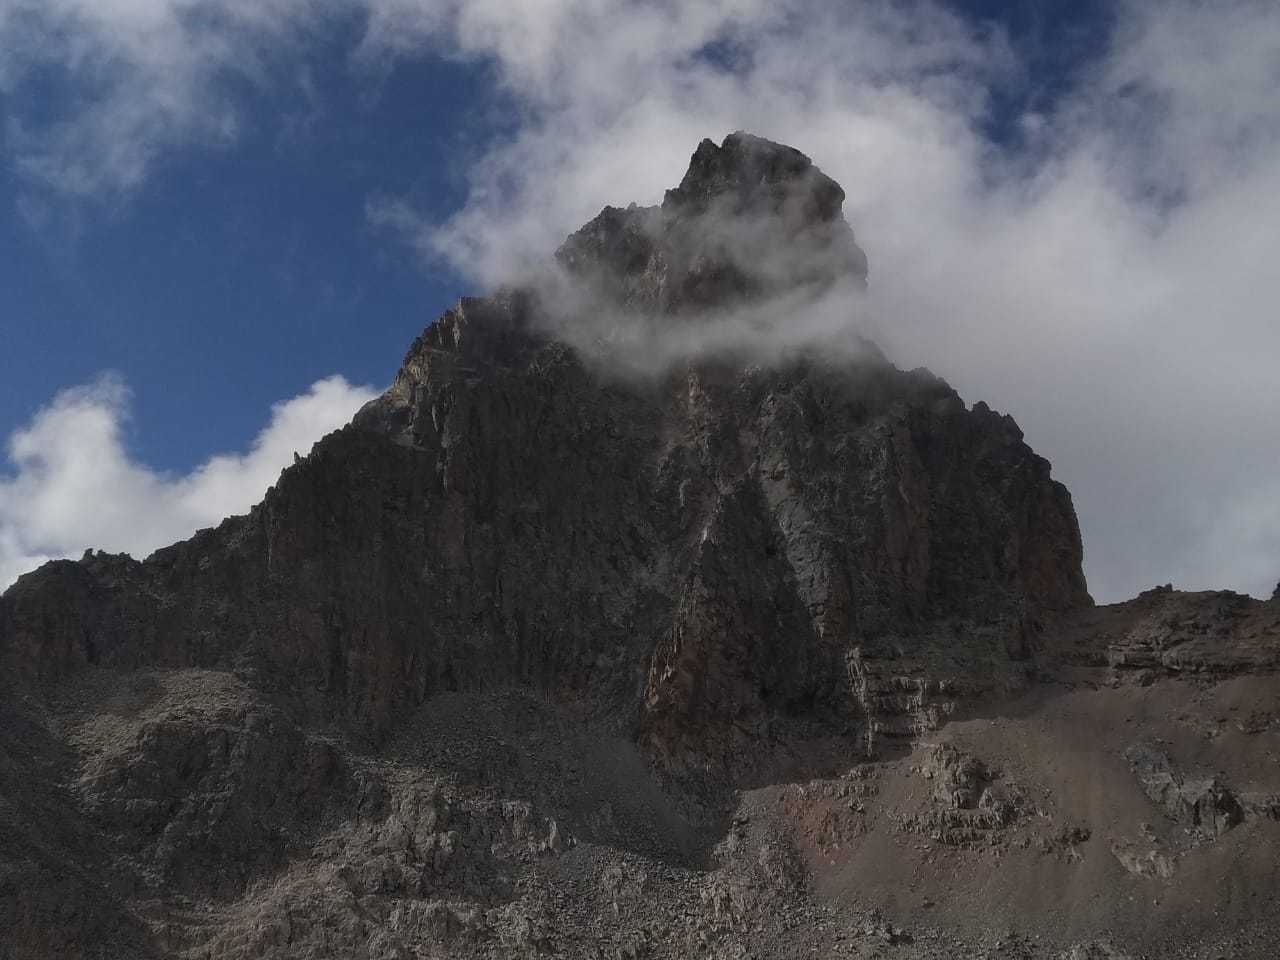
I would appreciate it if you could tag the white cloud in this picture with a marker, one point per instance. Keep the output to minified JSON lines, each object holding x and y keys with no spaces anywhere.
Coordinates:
{"x":1110,"y":285}
{"x":74,"y":485}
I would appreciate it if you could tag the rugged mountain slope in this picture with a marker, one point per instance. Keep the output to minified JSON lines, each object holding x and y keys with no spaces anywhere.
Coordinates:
{"x":557,"y":651}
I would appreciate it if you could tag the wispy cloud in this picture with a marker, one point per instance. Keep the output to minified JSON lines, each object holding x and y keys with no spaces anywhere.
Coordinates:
{"x":73,"y":484}
{"x":134,"y":79}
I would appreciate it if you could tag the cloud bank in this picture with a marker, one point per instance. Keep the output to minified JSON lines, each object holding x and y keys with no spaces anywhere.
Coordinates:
{"x":1103,"y":272}
{"x":74,"y":485}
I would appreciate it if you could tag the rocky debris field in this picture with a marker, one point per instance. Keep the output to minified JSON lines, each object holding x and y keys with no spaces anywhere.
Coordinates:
{"x":179,"y":813}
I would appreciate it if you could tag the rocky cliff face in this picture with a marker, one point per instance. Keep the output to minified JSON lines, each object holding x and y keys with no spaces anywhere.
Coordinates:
{"x":737,"y":570}
{"x":705,"y":551}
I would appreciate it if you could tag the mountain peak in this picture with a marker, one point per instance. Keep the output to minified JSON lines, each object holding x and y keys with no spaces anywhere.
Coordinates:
{"x":752,"y":172}
{"x":739,"y":659}
{"x":750,"y":220}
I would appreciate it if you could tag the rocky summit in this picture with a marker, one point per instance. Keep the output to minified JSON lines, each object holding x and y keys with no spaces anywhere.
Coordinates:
{"x":760,"y":648}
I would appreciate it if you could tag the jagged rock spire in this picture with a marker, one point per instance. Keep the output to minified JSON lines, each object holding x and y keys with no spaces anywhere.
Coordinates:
{"x":751,"y":219}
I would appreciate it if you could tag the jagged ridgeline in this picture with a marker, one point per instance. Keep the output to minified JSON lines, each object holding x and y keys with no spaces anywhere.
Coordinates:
{"x":651,"y":613}
{"x":715,"y":550}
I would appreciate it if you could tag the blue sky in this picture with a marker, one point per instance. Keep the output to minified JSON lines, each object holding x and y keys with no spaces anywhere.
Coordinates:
{"x":238,"y":275}
{"x":219,"y":204}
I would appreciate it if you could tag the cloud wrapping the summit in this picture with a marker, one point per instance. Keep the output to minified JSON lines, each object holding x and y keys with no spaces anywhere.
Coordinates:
{"x":1106,"y":277}
{"x":75,"y":486}
{"x":1106,"y":281}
